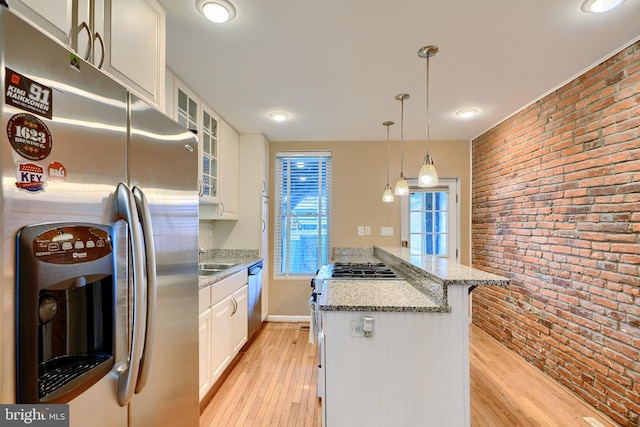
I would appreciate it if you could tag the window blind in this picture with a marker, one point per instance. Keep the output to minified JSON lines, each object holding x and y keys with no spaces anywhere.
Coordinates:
{"x":303,"y":208}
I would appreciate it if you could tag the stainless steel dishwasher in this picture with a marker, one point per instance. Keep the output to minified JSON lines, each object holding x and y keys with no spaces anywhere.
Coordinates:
{"x":255,"y":298}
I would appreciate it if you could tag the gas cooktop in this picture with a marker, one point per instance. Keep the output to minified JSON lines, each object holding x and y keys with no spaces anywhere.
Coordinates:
{"x":367,"y":270}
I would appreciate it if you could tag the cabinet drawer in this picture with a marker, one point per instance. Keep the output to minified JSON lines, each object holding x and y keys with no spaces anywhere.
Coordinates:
{"x":226,"y":287}
{"x":204,"y":299}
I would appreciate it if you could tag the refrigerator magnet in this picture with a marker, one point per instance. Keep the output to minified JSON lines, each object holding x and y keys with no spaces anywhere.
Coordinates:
{"x":29,"y":136}
{"x":30,"y":177}
{"x":56,"y":172}
{"x":27,"y":94}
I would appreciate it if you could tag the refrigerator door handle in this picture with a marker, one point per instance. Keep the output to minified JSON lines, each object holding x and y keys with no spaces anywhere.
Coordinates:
{"x":150,"y":255}
{"x":129,"y":373}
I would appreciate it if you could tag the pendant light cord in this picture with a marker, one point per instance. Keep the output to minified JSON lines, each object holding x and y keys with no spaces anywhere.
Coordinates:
{"x":427,"y":103}
{"x":402,"y":136}
{"x":387,"y":124}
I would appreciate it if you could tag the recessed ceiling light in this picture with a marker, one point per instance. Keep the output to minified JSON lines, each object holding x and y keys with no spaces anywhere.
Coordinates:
{"x":600,"y":6}
{"x":218,"y":11}
{"x":278,"y":116}
{"x":466,"y":113}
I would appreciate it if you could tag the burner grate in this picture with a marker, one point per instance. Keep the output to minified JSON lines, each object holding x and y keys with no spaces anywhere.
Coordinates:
{"x":362,"y":271}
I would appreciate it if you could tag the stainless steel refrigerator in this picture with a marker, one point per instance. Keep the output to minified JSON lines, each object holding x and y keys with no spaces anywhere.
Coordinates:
{"x":99,"y":222}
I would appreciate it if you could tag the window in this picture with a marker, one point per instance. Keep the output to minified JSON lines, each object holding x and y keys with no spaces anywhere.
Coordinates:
{"x":428,"y":222}
{"x":429,"y":219}
{"x":303,"y":206}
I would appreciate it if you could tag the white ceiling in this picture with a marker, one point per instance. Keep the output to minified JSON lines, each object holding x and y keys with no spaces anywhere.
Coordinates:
{"x":336,"y":65}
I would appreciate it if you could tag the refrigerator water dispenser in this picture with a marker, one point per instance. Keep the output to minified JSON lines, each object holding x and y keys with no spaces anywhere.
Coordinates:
{"x":65,"y":304}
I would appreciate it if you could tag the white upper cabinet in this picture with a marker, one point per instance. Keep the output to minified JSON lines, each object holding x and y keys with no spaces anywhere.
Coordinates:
{"x":219,"y":147}
{"x":229,"y":188}
{"x":210,"y":154}
{"x":135,"y":46}
{"x":124,"y":38}
{"x":54,"y":17}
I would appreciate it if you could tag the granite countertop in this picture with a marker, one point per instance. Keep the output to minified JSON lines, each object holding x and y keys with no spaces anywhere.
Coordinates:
{"x":441,"y":270}
{"x":375,"y":295}
{"x":242,"y":259}
{"x":424,"y":289}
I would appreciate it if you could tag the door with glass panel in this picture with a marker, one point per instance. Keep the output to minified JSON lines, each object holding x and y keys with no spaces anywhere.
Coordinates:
{"x":429,"y":221}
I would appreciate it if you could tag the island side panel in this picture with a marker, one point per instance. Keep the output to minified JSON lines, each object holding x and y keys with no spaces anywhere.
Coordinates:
{"x":414,"y":370}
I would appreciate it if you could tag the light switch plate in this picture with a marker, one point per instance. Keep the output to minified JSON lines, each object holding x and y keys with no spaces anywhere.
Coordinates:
{"x":386,"y":231}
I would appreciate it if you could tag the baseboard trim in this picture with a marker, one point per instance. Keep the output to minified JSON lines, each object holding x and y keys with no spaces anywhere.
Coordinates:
{"x":278,"y":318}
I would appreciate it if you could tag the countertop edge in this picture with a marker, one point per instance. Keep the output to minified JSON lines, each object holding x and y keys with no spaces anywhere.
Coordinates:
{"x":241,"y":264}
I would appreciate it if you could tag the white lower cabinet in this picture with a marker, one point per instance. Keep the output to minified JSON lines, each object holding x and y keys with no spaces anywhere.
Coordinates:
{"x":240,"y":319}
{"x":205,"y":352}
{"x":221,"y":332}
{"x":223,"y":327}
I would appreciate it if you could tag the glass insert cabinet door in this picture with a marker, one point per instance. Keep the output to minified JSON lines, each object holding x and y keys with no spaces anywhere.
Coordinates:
{"x":197,"y":117}
{"x":209,"y":154}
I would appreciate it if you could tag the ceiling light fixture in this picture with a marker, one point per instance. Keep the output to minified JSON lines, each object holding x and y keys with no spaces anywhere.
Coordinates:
{"x":428,"y":176}
{"x":218,"y":11}
{"x":401,"y":188}
{"x":600,"y":6}
{"x":466,"y":113}
{"x":387,"y":196}
{"x":278,"y":116}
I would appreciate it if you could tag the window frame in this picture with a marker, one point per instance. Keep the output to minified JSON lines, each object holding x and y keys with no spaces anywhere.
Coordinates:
{"x":324,"y":205}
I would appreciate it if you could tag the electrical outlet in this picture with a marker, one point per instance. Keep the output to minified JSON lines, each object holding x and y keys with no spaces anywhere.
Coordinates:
{"x":367,"y":230}
{"x":357,"y":329}
{"x":360,"y":230}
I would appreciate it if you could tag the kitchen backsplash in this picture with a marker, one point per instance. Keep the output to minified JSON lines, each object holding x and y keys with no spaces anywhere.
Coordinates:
{"x":352,"y":252}
{"x":229,"y":254}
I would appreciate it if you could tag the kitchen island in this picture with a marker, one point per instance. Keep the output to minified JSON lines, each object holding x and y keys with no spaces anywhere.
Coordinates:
{"x":412,"y":369}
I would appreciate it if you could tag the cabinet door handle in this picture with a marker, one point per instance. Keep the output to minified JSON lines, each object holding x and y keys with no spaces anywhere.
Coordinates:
{"x":85,"y":26}
{"x":99,"y":38}
{"x":200,"y":187}
{"x":235,"y":306}
{"x":264,"y":225}
{"x":221,"y":205}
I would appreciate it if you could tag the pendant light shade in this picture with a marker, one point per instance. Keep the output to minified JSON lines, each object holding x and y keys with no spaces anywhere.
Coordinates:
{"x":387,"y":196}
{"x":428,"y":176}
{"x":402,"y":187}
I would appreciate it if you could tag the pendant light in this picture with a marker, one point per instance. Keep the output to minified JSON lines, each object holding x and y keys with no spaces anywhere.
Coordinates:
{"x":401,"y":188}
{"x":428,"y":176}
{"x":387,"y":196}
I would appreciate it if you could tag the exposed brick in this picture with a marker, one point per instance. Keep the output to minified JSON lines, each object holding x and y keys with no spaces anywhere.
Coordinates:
{"x":556,"y":207}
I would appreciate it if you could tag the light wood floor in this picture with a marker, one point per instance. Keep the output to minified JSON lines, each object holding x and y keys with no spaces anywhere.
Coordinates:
{"x":274,"y":384}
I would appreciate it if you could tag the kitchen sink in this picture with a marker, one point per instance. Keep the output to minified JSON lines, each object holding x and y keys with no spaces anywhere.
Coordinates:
{"x":216,"y":265}
{"x":208,"y":272}
{"x":209,"y":268}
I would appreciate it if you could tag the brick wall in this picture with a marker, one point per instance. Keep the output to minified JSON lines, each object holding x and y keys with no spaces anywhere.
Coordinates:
{"x":556,"y":207}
